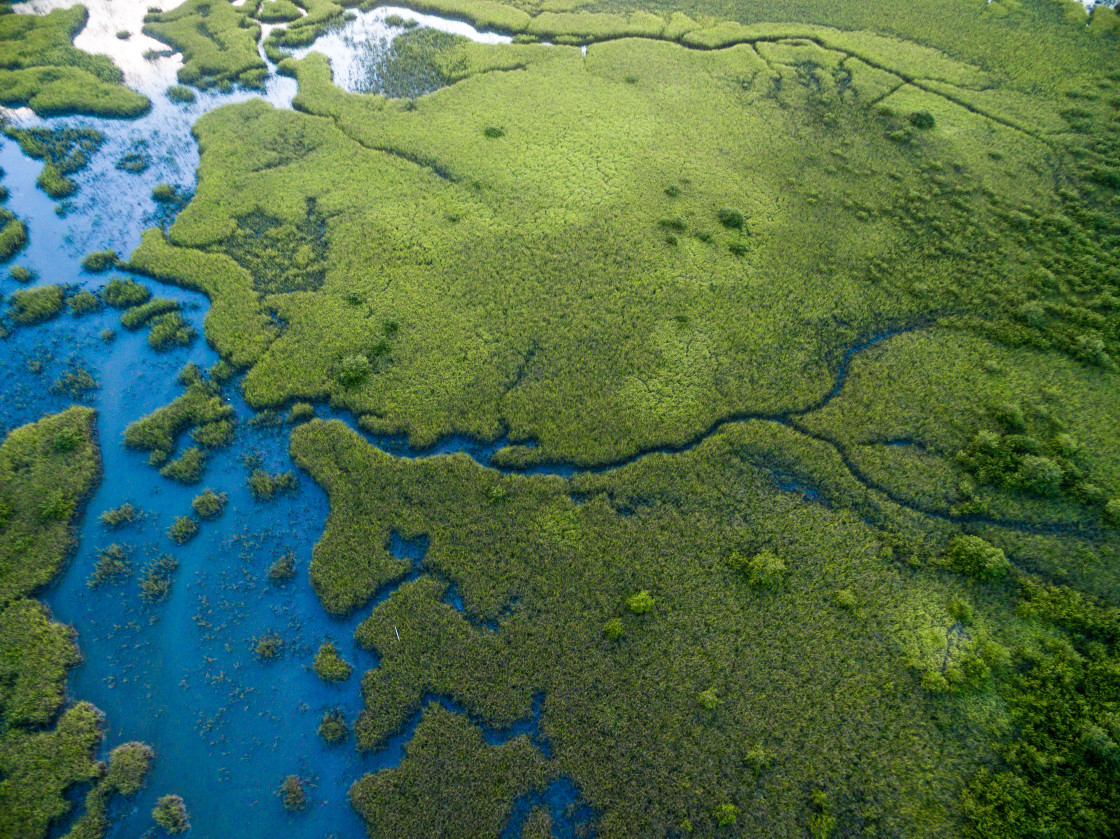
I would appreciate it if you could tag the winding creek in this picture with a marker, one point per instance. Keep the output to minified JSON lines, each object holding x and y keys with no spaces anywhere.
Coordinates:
{"x":180,"y":675}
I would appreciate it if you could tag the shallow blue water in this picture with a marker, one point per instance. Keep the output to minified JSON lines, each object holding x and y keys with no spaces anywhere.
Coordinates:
{"x":181,"y":675}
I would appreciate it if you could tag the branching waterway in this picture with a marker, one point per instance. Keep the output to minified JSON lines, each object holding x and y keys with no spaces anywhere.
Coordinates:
{"x":181,"y":675}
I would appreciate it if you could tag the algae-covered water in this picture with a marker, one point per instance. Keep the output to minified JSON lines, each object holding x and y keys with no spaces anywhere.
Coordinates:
{"x":181,"y":675}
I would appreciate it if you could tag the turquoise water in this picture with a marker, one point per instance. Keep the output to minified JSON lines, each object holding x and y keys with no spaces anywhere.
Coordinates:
{"x":181,"y":675}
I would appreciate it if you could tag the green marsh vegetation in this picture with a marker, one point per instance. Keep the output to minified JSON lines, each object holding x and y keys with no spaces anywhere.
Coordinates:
{"x":218,"y":42}
{"x":330,"y":666}
{"x":170,"y":813}
{"x":209,"y":504}
{"x":29,"y":306}
{"x":41,"y":68}
{"x":47,"y":744}
{"x":65,"y":151}
{"x":13,"y":234}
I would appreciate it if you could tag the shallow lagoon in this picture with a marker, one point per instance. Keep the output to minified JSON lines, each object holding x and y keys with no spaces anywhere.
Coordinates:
{"x":181,"y":674}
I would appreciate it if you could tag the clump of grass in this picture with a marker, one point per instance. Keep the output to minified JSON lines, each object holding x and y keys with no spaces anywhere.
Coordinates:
{"x":21,"y":274}
{"x":99,"y":261}
{"x":187,"y":468}
{"x":493,"y":132}
{"x":13,"y":234}
{"x":123,"y":34}
{"x":170,"y":813}
{"x":922,"y":120}
{"x":301,"y":412}
{"x":353,"y":370}
{"x":121,"y":293}
{"x":763,"y":570}
{"x":333,"y":728}
{"x":113,"y":565}
{"x":268,"y":647}
{"x":122,"y":516}
{"x":265,"y":486}
{"x":170,"y":330}
{"x":136,"y":316}
{"x":179,"y":93}
{"x":76,"y":382}
{"x":29,"y":306}
{"x":613,"y":629}
{"x":330,"y":666}
{"x":84,"y":303}
{"x":129,"y":764}
{"x":155,"y":585}
{"x":165,"y":193}
{"x":182,"y":530}
{"x":292,"y":793}
{"x":283,"y":570}
{"x":134,"y":163}
{"x":209,"y":504}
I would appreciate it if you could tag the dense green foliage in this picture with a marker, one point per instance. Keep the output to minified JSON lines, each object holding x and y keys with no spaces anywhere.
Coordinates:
{"x":40,"y":67}
{"x":209,"y":504}
{"x":170,"y":813}
{"x":218,"y":41}
{"x":13,"y":235}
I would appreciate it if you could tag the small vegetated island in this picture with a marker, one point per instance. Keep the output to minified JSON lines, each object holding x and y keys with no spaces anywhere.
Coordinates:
{"x":795,"y":327}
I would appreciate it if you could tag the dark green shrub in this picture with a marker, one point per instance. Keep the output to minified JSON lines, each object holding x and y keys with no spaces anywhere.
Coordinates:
{"x":21,"y":274}
{"x":170,"y":330}
{"x":676,"y":223}
{"x":922,"y":120}
{"x":974,"y":557}
{"x":68,"y":440}
{"x":822,"y":821}
{"x":13,"y":235}
{"x":763,"y":570}
{"x":99,"y":261}
{"x":493,"y":132}
{"x":1039,"y":476}
{"x":1112,"y":512}
{"x":209,"y":504}
{"x":182,"y":530}
{"x":330,"y":666}
{"x":672,"y":190}
{"x":353,"y":370}
{"x":639,"y":603}
{"x":731,"y":218}
{"x":708,"y":699}
{"x":170,"y":813}
{"x":213,"y":435}
{"x":845,"y":598}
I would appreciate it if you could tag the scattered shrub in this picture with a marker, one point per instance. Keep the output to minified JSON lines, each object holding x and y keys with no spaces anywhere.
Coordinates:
{"x":821,"y":819}
{"x":353,"y":370}
{"x":123,"y":293}
{"x":170,"y":813}
{"x":332,"y":728}
{"x":731,"y":218}
{"x":292,"y":793}
{"x":283,"y":570}
{"x":330,"y":666}
{"x":209,"y":504}
{"x":763,"y":570}
{"x":99,"y":261}
{"x":21,"y":274}
{"x":30,"y":306}
{"x":972,"y":556}
{"x":155,"y":585}
{"x":187,"y":468}
{"x":845,"y":598}
{"x":268,"y":647}
{"x":121,"y":516}
{"x":182,"y":530}
{"x":613,"y":629}
{"x":84,"y":303}
{"x":170,"y":331}
{"x":639,"y":603}
{"x":128,"y":767}
{"x":922,"y":120}
{"x":113,"y":564}
{"x":493,"y":132}
{"x":708,"y":699}
{"x":265,"y":487}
